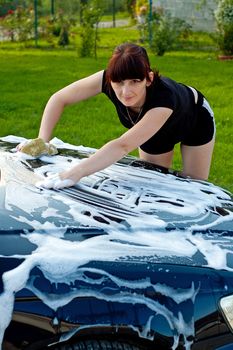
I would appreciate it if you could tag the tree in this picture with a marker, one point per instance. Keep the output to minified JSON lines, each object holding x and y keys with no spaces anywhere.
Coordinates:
{"x":224,"y":19}
{"x":131,"y":4}
{"x":91,"y":16}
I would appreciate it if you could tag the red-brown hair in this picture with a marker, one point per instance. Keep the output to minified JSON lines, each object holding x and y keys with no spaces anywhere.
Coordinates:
{"x":129,"y":61}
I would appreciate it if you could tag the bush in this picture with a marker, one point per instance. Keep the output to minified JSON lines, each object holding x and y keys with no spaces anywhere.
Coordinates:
{"x":56,"y":29}
{"x":89,"y":29}
{"x":18,"y":24}
{"x":167,"y":32}
{"x":163,"y":31}
{"x":224,"y":19}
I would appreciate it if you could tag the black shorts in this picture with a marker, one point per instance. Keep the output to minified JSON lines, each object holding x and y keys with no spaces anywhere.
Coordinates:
{"x":199,"y":134}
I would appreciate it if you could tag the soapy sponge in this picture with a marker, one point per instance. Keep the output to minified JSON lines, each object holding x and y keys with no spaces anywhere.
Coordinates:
{"x":37,"y":147}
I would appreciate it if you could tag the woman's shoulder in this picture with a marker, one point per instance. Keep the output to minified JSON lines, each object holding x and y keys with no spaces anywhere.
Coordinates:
{"x":170,"y":87}
{"x":105,"y":85}
{"x":162,"y":86}
{"x":166,"y":82}
{"x":161,"y":93}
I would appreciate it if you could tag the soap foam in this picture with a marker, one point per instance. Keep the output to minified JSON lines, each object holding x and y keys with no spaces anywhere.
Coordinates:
{"x":133,"y":207}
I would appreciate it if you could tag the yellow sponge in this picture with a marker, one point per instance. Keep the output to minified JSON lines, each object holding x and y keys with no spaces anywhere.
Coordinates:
{"x":37,"y":147}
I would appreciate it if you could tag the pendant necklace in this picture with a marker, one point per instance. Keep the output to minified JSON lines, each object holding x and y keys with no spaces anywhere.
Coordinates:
{"x":129,"y":116}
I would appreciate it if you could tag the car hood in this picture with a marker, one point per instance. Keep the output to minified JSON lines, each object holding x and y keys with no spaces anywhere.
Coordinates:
{"x":132,"y":211}
{"x":125,"y":229}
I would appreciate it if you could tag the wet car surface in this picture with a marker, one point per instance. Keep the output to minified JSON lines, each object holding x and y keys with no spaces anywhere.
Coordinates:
{"x":132,"y":257}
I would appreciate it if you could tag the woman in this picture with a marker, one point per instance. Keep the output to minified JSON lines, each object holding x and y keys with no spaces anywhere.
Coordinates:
{"x":158,"y":112}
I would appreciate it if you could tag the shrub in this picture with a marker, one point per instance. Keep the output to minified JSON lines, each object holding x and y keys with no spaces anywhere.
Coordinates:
{"x":224,"y":19}
{"x":57,"y":28}
{"x":167,"y":32}
{"x":18,"y":24}
{"x":158,"y":27}
{"x":62,"y":28}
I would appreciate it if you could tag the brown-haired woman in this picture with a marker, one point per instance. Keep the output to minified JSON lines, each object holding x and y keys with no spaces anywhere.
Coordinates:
{"x":158,"y":112}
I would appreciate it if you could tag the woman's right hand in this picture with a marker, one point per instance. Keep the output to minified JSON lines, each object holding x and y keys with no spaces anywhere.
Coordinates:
{"x":22,"y":144}
{"x":36,"y":147}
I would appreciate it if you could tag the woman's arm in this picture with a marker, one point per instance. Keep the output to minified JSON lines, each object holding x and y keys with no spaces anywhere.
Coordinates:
{"x":115,"y":149}
{"x":75,"y":92}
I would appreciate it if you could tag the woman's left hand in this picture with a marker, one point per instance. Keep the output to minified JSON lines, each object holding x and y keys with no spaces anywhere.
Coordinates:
{"x":55,"y":182}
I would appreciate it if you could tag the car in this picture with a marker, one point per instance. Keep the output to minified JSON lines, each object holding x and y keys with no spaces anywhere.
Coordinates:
{"x":133,"y":257}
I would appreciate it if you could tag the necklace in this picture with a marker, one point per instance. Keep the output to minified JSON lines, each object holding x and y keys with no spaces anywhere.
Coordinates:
{"x":133,"y":122}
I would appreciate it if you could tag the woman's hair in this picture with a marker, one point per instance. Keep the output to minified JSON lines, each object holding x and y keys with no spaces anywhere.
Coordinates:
{"x":129,"y":61}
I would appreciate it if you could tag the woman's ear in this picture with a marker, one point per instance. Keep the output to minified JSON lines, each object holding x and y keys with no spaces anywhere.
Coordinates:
{"x":151,"y":77}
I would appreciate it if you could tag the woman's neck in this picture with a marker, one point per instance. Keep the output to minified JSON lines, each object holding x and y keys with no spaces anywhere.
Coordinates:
{"x":138,"y":107}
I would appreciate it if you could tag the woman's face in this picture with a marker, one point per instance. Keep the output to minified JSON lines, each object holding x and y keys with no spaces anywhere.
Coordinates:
{"x":131,"y":92}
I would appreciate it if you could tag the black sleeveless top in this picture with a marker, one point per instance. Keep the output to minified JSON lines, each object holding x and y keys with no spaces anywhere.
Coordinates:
{"x":163,"y":92}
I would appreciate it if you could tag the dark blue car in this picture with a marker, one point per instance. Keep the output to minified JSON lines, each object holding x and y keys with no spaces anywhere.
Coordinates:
{"x":134,"y":257}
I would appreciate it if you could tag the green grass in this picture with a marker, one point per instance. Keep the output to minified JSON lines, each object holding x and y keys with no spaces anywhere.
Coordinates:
{"x":30,"y":76}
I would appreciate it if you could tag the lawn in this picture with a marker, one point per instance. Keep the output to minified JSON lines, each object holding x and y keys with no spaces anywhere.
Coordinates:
{"x":29,"y":76}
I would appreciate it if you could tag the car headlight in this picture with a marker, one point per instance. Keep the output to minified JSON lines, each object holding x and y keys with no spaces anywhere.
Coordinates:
{"x":226,"y":305}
